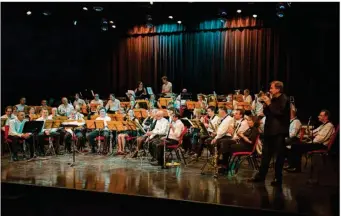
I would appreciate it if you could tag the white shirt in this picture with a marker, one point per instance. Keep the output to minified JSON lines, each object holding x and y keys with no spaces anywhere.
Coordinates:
{"x":175,"y":133}
{"x":78,"y":116}
{"x":247,"y":99}
{"x":65,"y":110}
{"x":16,"y":127}
{"x":113,"y":105}
{"x":160,"y":128}
{"x":294,"y":128}
{"x":241,"y":125}
{"x":214,"y":122}
{"x":167,"y":88}
{"x":99,"y":102}
{"x":78,"y":103}
{"x":224,"y":125}
{"x":257,"y":107}
{"x":323,"y":133}
{"x":8,"y":118}
{"x":261,"y":125}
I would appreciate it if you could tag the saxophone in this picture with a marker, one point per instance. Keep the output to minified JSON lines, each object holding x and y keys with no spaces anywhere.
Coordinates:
{"x":215,"y":161}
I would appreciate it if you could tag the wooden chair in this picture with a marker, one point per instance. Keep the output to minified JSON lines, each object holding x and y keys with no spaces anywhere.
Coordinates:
{"x":8,"y":141}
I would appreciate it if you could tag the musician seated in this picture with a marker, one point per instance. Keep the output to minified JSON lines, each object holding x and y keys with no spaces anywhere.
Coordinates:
{"x":96,"y":100}
{"x":106,"y":133}
{"x":237,"y":125}
{"x":46,"y":134}
{"x":244,"y":141}
{"x":153,"y":103}
{"x":247,"y":97}
{"x":43,"y":103}
{"x":321,"y":138}
{"x":257,"y":105}
{"x":175,"y":130}
{"x":15,"y":110}
{"x":191,"y":139}
{"x":210,"y":124}
{"x":54,"y":113}
{"x":113,"y":105}
{"x":220,"y":132}
{"x":8,"y":116}
{"x":294,"y":129}
{"x":65,"y":108}
{"x":15,"y":134}
{"x":148,"y":124}
{"x":79,"y":132}
{"x":31,"y":116}
{"x":159,"y":131}
{"x":121,"y":138}
{"x":140,"y":91}
{"x":22,"y":105}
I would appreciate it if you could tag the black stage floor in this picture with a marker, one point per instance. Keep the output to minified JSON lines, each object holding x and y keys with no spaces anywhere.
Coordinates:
{"x":116,"y":175}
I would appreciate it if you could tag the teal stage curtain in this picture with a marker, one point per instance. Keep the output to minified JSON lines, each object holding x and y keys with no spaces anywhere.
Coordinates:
{"x":211,"y":56}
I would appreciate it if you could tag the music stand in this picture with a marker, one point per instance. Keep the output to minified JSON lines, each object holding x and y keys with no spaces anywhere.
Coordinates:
{"x":72,"y":125}
{"x":112,"y":127}
{"x":34,"y":127}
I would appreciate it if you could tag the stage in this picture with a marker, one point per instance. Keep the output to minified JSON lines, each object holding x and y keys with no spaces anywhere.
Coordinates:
{"x":128,"y":186}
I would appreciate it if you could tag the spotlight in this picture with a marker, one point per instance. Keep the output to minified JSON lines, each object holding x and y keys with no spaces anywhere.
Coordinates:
{"x":104,"y":21}
{"x":28,"y":13}
{"x":223,"y":13}
{"x":113,"y":26}
{"x":46,"y":13}
{"x":104,"y":28}
{"x":98,"y":9}
{"x":111,"y":22}
{"x":281,"y":6}
{"x":179,"y":22}
{"x":255,"y":16}
{"x":170,"y":17}
{"x":151,"y":2}
{"x":239,"y":11}
{"x":280,"y":14}
{"x":149,"y":18}
{"x":75,"y":22}
{"x":85,"y":8}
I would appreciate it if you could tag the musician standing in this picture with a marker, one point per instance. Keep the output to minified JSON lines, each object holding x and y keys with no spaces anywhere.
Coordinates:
{"x":167,"y":86}
{"x":277,"y":112}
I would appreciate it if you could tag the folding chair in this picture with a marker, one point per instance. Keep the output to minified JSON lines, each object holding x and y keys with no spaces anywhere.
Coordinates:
{"x":176,"y":148}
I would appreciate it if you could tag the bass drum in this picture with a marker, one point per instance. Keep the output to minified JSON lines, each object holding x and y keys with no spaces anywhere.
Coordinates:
{"x":259,"y":147}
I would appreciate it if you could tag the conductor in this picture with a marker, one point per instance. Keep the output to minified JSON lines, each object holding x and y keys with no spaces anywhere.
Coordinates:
{"x":277,"y":112}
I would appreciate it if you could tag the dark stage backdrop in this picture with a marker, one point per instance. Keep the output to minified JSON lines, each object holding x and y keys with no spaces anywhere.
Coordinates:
{"x":40,"y":61}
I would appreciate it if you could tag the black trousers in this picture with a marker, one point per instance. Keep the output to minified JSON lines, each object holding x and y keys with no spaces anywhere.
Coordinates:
{"x":202,"y":143}
{"x":93,"y":134}
{"x":160,"y":148}
{"x":153,"y":146}
{"x":299,"y":148}
{"x":16,"y":146}
{"x":273,"y":145}
{"x":68,"y":139}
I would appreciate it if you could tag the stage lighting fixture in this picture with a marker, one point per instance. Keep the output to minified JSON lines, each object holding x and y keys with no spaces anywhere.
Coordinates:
{"x":28,"y":13}
{"x":179,"y":22}
{"x":281,"y":6}
{"x":46,"y":13}
{"x":151,"y":2}
{"x":280,"y":14}
{"x":85,"y":8}
{"x":113,"y":26}
{"x":170,"y":17}
{"x":111,"y":22}
{"x":255,"y":16}
{"x":98,"y":9}
{"x":223,"y":13}
{"x":239,"y":11}
{"x":149,"y":18}
{"x":75,"y":22}
{"x":222,"y":19}
{"x":104,"y":28}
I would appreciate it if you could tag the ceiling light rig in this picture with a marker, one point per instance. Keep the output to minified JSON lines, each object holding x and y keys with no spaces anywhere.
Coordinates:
{"x":149,"y":20}
{"x":98,"y":9}
{"x":28,"y":13}
{"x":47,"y":13}
{"x":281,"y":7}
{"x":222,"y":15}
{"x":85,"y":8}
{"x":239,"y":11}
{"x":179,"y":22}
{"x":170,"y":17}
{"x":254,"y":15}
